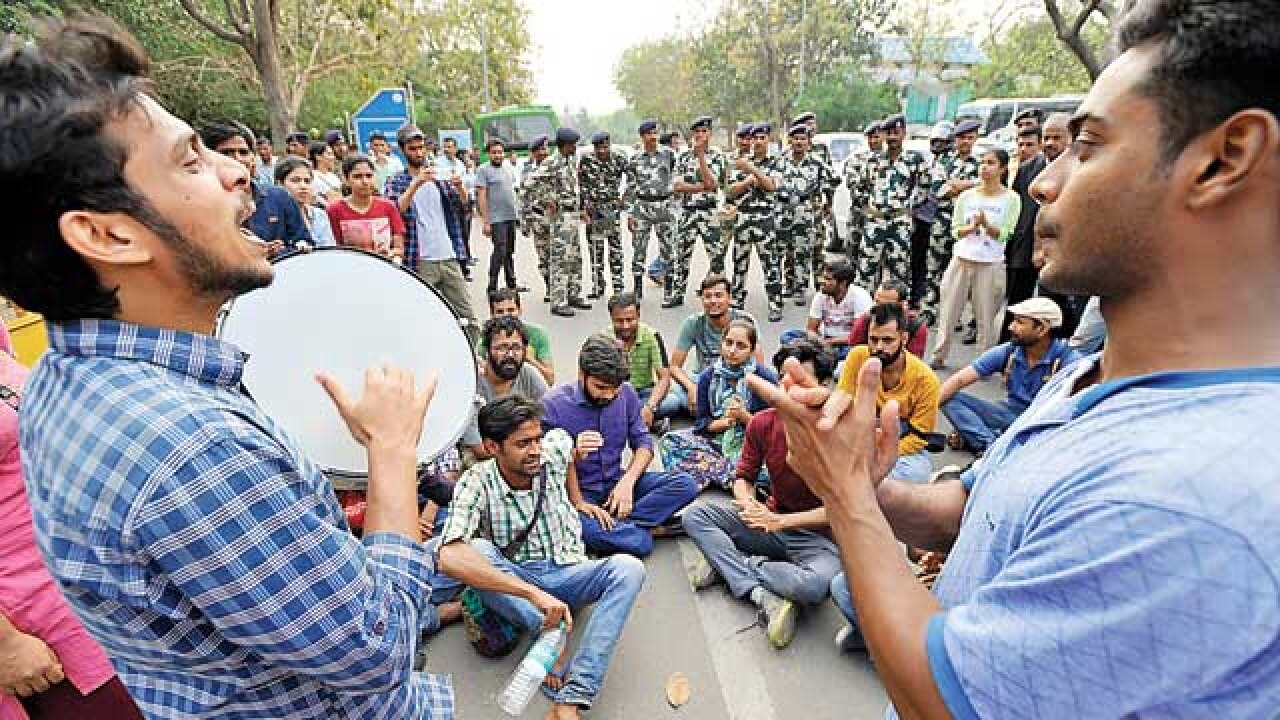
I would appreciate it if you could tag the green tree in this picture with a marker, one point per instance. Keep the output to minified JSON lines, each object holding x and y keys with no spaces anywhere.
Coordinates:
{"x":1028,"y":60}
{"x":846,"y":100}
{"x":655,"y":78}
{"x":16,"y":15}
{"x":1083,"y":27}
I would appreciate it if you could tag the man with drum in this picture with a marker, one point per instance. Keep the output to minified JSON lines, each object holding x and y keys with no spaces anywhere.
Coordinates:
{"x":176,"y":515}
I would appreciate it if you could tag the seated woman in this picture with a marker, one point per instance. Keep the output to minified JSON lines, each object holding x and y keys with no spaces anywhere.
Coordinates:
{"x":725,"y":405}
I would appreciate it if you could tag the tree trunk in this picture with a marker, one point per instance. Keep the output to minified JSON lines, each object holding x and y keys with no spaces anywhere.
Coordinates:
{"x":266,"y":58}
{"x":1072,"y":33}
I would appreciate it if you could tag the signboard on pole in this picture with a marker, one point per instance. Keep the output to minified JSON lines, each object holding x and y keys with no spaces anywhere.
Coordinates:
{"x":386,"y":111}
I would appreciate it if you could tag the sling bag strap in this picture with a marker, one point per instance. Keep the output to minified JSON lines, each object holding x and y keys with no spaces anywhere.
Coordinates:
{"x":517,"y":543}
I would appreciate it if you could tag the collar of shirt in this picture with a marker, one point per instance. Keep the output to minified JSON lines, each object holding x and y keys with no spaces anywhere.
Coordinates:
{"x":202,"y":357}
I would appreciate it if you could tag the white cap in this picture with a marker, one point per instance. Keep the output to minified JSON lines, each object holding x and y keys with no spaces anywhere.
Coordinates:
{"x":1039,"y":308}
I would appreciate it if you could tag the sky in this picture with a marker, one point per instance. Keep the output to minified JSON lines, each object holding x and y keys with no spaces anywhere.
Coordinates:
{"x":578,"y":42}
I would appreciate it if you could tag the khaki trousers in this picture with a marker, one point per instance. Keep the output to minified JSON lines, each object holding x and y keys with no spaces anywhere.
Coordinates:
{"x":979,"y":283}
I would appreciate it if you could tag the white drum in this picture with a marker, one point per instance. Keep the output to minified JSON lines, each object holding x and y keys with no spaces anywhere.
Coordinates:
{"x":340,"y":311}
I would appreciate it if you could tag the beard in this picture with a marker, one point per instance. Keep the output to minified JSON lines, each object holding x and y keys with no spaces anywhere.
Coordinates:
{"x":1020,"y":341}
{"x":887,"y":359}
{"x":208,"y":276}
{"x":505,"y":369}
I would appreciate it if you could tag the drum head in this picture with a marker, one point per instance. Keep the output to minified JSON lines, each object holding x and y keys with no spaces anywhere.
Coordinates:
{"x":340,"y":311}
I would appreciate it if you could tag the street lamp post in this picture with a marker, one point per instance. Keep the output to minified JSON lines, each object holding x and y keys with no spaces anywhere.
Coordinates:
{"x":484,"y":60}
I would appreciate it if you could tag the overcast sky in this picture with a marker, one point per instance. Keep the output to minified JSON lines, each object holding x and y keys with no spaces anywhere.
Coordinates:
{"x":578,"y":42}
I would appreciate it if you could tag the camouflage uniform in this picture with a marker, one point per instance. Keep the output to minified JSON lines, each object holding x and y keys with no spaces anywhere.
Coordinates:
{"x":855,"y":178}
{"x":948,"y":167}
{"x":823,"y":204}
{"x":534,"y":221}
{"x":697,"y":219}
{"x":602,"y":192}
{"x":890,"y":186}
{"x":799,"y":214}
{"x":648,"y":203}
{"x":756,"y":226}
{"x":558,"y":179}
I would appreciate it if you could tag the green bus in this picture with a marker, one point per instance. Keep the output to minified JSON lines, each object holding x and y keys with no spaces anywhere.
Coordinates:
{"x":515,"y":125}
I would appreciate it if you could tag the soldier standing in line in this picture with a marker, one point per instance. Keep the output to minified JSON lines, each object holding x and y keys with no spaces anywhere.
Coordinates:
{"x":924,"y":209}
{"x":855,"y":178}
{"x":892,"y":181}
{"x":828,"y":238}
{"x":727,"y":214}
{"x":699,"y":172}
{"x":601,"y":173}
{"x":752,"y":184}
{"x":805,"y":177}
{"x":957,"y":172}
{"x":648,"y":203}
{"x":533,"y":218}
{"x":558,"y":180}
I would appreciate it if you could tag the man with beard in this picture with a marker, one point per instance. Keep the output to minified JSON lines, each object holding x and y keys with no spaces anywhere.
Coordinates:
{"x":504,"y":370}
{"x":506,"y":301}
{"x":177,"y":517}
{"x":647,"y":354}
{"x":276,"y":219}
{"x":906,"y":380}
{"x":622,"y":510}
{"x":1028,"y":361}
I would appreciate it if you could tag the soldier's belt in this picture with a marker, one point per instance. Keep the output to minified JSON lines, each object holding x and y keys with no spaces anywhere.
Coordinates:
{"x":654,"y":198}
{"x":702,"y":206}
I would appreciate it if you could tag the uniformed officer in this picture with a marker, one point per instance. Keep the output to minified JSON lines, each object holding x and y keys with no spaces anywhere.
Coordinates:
{"x":558,"y":178}
{"x":826,"y":233}
{"x":700,"y":170}
{"x":533,"y":218}
{"x":924,"y":209}
{"x":648,"y":202}
{"x":752,"y":183}
{"x":727,"y":214}
{"x":957,"y":172}
{"x":855,"y":178}
{"x":601,"y":172}
{"x":892,"y":181}
{"x":804,"y":177}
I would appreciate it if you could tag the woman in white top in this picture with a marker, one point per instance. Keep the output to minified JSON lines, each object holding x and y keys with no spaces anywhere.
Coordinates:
{"x":294,"y":174}
{"x":326,"y":183}
{"x":985,"y":217}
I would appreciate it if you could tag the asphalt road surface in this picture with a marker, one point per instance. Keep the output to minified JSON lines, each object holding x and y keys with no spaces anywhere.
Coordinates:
{"x":733,"y":671}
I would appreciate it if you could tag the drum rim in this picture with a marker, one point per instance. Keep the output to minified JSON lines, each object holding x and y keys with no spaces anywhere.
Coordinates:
{"x":226,"y":309}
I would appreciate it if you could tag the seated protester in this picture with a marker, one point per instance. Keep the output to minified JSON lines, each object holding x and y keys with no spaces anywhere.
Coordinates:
{"x":644,"y":350}
{"x":780,"y":552}
{"x":702,"y":333}
{"x":1028,"y":360}
{"x":903,"y":377}
{"x":51,"y":668}
{"x":834,"y":308}
{"x":276,"y":219}
{"x":725,"y":405}
{"x":517,"y":510}
{"x":895,"y":291}
{"x":621,"y":509}
{"x":506,"y":301}
{"x":503,"y":371}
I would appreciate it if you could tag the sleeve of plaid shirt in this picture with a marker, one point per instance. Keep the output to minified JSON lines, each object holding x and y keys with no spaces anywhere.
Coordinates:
{"x":242,"y":535}
{"x":467,"y":506}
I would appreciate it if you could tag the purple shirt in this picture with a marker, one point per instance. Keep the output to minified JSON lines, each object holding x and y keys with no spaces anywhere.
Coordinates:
{"x":618,"y":422}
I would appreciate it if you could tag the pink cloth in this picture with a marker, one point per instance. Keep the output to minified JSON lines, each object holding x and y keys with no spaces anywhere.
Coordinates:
{"x":6,"y":344}
{"x":28,"y":595}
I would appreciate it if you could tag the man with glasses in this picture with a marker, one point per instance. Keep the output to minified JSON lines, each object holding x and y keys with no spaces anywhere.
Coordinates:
{"x":504,"y":371}
{"x":277,"y":219}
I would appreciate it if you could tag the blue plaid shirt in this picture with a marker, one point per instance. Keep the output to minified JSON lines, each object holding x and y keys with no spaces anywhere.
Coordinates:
{"x":201,"y":547}
{"x":396,"y":186}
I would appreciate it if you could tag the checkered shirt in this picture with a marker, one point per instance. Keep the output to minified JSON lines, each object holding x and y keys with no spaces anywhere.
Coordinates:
{"x":396,"y":186}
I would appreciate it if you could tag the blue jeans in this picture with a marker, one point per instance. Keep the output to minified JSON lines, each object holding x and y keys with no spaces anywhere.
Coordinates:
{"x":657,"y":496}
{"x":915,"y":468}
{"x":978,"y":421}
{"x":612,"y":584}
{"x":673,"y":403}
{"x":844,"y":600}
{"x":795,"y":564}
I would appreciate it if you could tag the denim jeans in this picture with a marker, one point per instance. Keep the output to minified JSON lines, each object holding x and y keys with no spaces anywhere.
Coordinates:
{"x":657,"y":496}
{"x":978,"y":421}
{"x":916,"y":468}
{"x":673,"y":403}
{"x":844,"y":600}
{"x":795,"y":564}
{"x":612,"y":584}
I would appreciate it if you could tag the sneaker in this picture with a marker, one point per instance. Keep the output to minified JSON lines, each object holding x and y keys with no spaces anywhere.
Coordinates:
{"x":779,"y":615}
{"x":850,"y":640}
{"x":701,"y":574}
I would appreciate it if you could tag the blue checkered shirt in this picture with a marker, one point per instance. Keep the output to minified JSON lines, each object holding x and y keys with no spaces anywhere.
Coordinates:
{"x":201,"y":547}
{"x":396,"y":186}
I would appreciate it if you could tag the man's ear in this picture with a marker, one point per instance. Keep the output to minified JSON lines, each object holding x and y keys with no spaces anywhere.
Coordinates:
{"x":105,"y":238}
{"x":490,"y":446}
{"x":1221,"y":163}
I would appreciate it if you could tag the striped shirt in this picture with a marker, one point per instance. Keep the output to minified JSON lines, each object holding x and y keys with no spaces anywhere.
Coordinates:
{"x":202,"y":548}
{"x":646,"y":357}
{"x":484,"y":504}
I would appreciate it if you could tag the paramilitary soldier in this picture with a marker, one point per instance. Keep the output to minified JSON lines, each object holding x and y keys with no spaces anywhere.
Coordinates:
{"x":752,"y":183}
{"x":601,"y":172}
{"x":957,"y":172}
{"x":892,"y":181}
{"x":855,"y":178}
{"x":648,"y":202}
{"x":805,"y":177}
{"x":558,"y":178}
{"x":534,"y":222}
{"x":827,"y":235}
{"x":700,"y":170}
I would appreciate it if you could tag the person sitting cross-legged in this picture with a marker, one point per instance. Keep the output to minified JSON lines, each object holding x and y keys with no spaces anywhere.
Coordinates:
{"x":1027,"y":361}
{"x":621,"y":509}
{"x":513,"y":534}
{"x":779,"y":553}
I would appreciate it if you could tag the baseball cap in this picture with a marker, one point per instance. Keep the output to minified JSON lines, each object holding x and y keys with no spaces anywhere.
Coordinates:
{"x":1039,"y":308}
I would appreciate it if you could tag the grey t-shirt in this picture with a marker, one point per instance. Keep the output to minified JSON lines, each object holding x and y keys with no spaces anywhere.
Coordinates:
{"x":528,"y":383}
{"x":502,"y":197}
{"x":697,"y":334}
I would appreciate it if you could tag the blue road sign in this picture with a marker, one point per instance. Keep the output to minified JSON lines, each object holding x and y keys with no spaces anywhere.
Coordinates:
{"x":386,"y":112}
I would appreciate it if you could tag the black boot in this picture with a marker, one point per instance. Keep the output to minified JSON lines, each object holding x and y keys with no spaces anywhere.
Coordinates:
{"x":637,"y":285}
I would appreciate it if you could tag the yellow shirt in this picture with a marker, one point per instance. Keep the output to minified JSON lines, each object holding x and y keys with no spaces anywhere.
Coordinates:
{"x":916,"y":393}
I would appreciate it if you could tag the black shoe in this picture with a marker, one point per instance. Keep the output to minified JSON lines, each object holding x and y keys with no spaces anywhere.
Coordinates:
{"x":800,"y":301}
{"x":835,"y":246}
{"x":775,"y":315}
{"x":563,"y":311}
{"x":521,"y":289}
{"x":673,"y":302}
{"x":580,"y":304}
{"x":971,"y":337}
{"x":594,"y":295}
{"x":546,"y":298}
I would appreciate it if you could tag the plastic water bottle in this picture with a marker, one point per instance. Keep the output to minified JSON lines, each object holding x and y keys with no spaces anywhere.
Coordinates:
{"x":531,"y":671}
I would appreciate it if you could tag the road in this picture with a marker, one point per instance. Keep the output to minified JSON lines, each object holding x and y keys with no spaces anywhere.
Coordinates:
{"x":733,"y":671}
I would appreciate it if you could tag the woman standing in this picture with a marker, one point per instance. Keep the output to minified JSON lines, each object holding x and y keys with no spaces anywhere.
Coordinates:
{"x":364,"y":220}
{"x":985,"y":218}
{"x":295,"y":175}
{"x":725,"y":406}
{"x":327,"y":184}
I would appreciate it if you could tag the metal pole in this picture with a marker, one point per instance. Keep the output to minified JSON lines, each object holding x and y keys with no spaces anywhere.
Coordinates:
{"x":484,"y":59}
{"x":804,"y":37}
{"x":408,"y":98}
